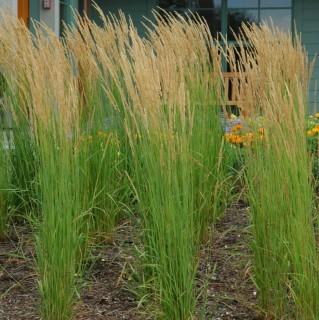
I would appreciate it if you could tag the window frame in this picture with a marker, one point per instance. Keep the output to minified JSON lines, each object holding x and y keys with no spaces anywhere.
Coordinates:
{"x":225,"y":9}
{"x":259,"y":9}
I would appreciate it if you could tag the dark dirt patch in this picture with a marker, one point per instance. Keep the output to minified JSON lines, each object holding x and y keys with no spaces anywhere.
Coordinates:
{"x":231,"y":292}
{"x":18,"y":294}
{"x":106,"y":296}
{"x":224,"y":271}
{"x":103,"y":297}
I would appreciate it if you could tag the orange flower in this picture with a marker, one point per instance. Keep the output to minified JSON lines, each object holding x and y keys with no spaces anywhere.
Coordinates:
{"x":237,"y":139}
{"x":261,"y":131}
{"x":228,"y":136}
{"x":236,"y":128}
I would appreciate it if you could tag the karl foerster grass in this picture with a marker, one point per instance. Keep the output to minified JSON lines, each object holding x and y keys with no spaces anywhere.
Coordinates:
{"x":171,"y":120}
{"x":279,"y":173}
{"x":49,"y":96}
{"x":4,"y":185}
{"x":104,"y":142}
{"x":16,"y":46}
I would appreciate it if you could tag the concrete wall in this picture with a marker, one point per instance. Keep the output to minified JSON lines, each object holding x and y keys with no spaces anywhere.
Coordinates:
{"x":306,"y":14}
{"x":51,"y":16}
{"x":9,"y":5}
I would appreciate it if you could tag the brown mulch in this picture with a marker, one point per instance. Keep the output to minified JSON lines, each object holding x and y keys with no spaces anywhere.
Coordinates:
{"x":18,"y":293}
{"x":224,"y":276}
{"x":106,"y":295}
{"x":231,"y":293}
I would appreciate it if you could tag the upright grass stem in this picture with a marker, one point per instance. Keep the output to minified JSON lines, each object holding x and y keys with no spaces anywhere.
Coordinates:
{"x":4,"y":165}
{"x":16,"y":47}
{"x":4,"y":186}
{"x":58,"y":241}
{"x":102,"y":126}
{"x":62,"y":237}
{"x":279,"y":173}
{"x":47,"y":106}
{"x":171,"y":117}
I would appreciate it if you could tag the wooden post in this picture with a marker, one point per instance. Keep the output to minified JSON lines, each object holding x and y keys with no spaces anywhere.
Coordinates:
{"x":23,"y":11}
{"x":86,"y":7}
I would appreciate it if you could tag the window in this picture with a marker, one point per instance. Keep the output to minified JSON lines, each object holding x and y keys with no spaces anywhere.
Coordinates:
{"x":227,"y":16}
{"x":278,"y":12}
{"x":279,"y":17}
{"x":242,"y":4}
{"x":210,"y":10}
{"x":180,"y":6}
{"x":275,"y":3}
{"x":236,"y":17}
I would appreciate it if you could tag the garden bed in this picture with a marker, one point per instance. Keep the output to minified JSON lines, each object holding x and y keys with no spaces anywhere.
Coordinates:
{"x":230,"y":291}
{"x":137,"y":220}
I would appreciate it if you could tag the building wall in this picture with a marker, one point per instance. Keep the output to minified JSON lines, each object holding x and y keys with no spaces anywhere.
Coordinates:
{"x":51,"y":16}
{"x":306,"y":14}
{"x":10,"y":5}
{"x":136,"y":9}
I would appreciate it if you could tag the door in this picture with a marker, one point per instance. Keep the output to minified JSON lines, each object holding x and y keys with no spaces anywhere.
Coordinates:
{"x":23,"y":11}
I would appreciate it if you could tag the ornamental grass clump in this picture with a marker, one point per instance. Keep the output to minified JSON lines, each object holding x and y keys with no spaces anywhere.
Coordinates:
{"x":169,"y":100}
{"x":279,"y":172}
{"x":53,"y":94}
{"x":16,"y":44}
{"x":4,"y":164}
{"x":62,"y":235}
{"x":47,"y":99}
{"x":4,"y":186}
{"x":103,"y":136}
{"x":199,"y":66}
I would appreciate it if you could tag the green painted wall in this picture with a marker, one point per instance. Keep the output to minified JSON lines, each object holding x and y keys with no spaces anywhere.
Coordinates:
{"x":34,"y":9}
{"x":306,"y":13}
{"x":136,"y":9}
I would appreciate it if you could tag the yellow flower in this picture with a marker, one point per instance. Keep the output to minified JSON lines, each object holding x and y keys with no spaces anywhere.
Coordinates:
{"x":317,"y":115}
{"x":311,"y":133}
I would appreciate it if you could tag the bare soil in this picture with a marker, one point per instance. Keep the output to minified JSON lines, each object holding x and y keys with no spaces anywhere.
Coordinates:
{"x":231,"y":291}
{"x":224,"y":276}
